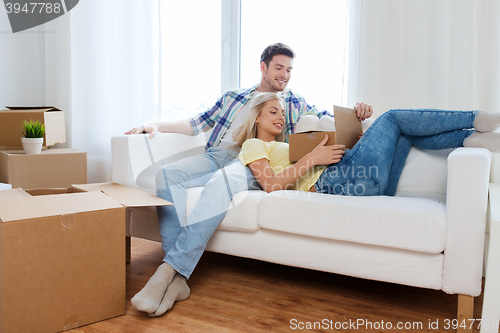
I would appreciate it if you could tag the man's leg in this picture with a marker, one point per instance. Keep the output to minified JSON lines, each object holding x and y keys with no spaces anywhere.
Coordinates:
{"x":177,"y":291}
{"x":207,"y":214}
{"x":209,"y":211}
{"x":172,"y":183}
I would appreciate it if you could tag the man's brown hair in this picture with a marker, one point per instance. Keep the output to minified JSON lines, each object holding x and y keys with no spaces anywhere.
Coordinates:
{"x":276,"y":49}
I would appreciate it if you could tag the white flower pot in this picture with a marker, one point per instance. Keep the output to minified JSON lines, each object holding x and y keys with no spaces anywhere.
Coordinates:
{"x":32,"y":145}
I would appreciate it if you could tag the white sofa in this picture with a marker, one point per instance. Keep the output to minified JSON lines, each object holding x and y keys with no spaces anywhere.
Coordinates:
{"x":430,"y":235}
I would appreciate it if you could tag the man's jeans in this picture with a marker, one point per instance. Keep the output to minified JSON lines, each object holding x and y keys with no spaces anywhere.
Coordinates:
{"x":223,"y":175}
{"x":373,"y":166}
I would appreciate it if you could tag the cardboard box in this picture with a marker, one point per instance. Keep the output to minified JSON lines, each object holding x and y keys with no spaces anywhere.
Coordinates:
{"x":347,"y":131}
{"x":62,"y":255}
{"x":61,"y":261}
{"x":53,"y":168}
{"x":11,"y":125}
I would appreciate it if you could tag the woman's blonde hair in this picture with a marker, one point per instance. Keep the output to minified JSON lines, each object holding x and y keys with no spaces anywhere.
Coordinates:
{"x":249,"y":128}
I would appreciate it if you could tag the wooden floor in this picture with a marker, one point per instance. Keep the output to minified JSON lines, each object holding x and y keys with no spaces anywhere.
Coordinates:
{"x":230,"y":294}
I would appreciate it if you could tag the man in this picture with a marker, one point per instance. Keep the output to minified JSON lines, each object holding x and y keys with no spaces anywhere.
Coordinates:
{"x":219,"y":170}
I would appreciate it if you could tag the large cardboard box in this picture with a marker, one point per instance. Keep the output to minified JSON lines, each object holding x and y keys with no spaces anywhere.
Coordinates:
{"x":53,"y":168}
{"x":62,"y":255}
{"x":347,"y":131}
{"x":11,"y":122}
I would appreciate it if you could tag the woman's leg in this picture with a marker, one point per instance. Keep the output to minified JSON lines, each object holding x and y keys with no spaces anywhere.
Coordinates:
{"x":424,"y":122}
{"x":442,"y":141}
{"x":366,"y":169}
{"x":403,"y":146}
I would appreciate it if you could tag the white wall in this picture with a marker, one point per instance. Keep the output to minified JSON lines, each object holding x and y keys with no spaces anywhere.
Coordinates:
{"x":57,"y":64}
{"x":35,"y":67}
{"x":22,"y":65}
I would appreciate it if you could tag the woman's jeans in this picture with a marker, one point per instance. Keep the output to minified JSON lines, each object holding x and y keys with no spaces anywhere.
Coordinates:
{"x":223,"y":175}
{"x":373,"y":166}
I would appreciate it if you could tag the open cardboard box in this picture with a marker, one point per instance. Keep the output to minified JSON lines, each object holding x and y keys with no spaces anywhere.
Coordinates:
{"x":62,"y":255}
{"x":11,"y":125}
{"x":347,"y":131}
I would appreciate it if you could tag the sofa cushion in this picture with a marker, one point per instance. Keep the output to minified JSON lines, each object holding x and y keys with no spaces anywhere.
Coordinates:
{"x":425,"y":173}
{"x":242,"y":214}
{"x":400,"y":222}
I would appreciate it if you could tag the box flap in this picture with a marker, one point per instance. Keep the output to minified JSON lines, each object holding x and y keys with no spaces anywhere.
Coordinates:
{"x":26,"y":207}
{"x":33,"y":108}
{"x":348,"y":126}
{"x":15,"y":208}
{"x":13,"y":193}
{"x":127,"y":196}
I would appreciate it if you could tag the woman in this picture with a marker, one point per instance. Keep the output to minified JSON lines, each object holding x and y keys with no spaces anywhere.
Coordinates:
{"x":373,"y":165}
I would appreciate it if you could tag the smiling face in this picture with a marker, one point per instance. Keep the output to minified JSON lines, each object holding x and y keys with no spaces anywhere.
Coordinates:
{"x":275,"y":77}
{"x":270,"y":121}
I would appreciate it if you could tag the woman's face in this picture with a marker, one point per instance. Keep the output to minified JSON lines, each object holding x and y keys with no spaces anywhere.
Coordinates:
{"x":270,"y":121}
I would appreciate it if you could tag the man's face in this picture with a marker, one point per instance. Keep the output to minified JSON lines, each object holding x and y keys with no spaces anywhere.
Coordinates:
{"x":275,"y":77}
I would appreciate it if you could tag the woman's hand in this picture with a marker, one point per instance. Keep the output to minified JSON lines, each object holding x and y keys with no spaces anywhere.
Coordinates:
{"x":152,"y":129}
{"x":363,"y":111}
{"x":325,"y":155}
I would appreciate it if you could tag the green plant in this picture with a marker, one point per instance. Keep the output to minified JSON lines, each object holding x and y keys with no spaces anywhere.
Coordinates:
{"x":33,"y":129}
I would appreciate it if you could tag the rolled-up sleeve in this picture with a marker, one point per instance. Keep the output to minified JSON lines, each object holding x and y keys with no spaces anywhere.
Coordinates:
{"x":206,"y":120}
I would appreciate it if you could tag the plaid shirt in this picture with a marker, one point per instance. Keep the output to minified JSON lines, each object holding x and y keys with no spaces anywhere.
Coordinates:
{"x":220,"y":116}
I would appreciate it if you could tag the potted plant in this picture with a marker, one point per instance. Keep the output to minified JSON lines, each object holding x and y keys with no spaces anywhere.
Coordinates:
{"x":32,"y":139}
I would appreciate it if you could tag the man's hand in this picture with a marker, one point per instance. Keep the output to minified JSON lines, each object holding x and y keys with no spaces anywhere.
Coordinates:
{"x":364,"y":111}
{"x":149,"y":128}
{"x":325,"y":155}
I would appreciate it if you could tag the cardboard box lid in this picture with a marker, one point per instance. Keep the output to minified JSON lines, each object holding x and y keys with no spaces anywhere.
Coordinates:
{"x":125,"y":195}
{"x":27,"y":207}
{"x":347,"y":126}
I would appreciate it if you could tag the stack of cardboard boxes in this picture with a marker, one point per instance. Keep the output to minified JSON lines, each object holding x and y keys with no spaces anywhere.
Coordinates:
{"x":54,"y":167}
{"x":62,"y":246}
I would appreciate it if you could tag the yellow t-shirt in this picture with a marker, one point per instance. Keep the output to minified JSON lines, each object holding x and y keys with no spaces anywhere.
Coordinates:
{"x":277,"y":155}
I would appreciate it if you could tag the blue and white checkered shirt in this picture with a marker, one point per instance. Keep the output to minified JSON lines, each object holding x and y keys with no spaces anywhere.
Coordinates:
{"x":223,"y":112}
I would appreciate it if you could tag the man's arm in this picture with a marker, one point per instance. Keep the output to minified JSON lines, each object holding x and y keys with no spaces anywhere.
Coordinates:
{"x":364,"y":111}
{"x":191,"y":126}
{"x":179,"y":126}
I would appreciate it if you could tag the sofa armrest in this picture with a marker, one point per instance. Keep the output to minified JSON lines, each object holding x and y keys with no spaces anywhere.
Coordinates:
{"x":133,"y":155}
{"x":491,"y":295}
{"x":466,"y":208}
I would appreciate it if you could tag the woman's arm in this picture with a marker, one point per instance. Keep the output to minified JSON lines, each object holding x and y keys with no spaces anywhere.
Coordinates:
{"x":321,"y":155}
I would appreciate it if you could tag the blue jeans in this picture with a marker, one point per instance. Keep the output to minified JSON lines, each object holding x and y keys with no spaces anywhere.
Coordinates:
{"x":223,"y":175}
{"x":373,"y":166}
